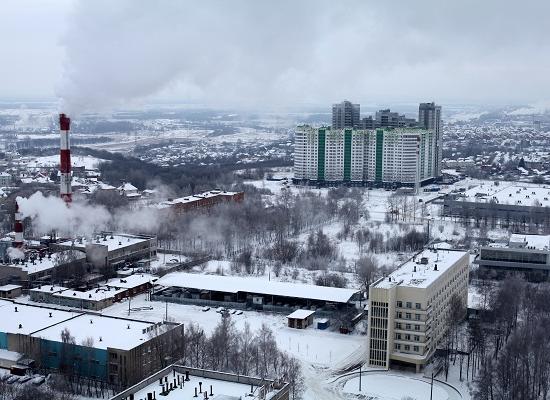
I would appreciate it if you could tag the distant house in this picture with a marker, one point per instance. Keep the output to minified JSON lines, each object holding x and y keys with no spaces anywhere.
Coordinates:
{"x":128,"y":190}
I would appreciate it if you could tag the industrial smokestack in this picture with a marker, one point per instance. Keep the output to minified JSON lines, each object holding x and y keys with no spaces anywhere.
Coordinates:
{"x":18,"y":228}
{"x":65,"y":159}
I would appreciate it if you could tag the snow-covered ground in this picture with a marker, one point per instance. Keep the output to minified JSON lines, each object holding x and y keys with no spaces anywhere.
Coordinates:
{"x":88,"y":162}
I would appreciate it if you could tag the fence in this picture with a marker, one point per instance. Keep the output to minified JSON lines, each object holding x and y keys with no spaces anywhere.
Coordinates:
{"x":319,"y":313}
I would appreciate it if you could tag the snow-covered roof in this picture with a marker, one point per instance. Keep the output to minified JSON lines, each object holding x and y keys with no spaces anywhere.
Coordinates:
{"x":193,"y":198}
{"x":127,"y":187}
{"x":105,"y":331}
{"x":49,"y":289}
{"x":31,"y":318}
{"x":300,"y":314}
{"x":97,"y":294}
{"x":114,"y":242}
{"x":46,"y":263}
{"x":416,"y":274}
{"x":6,"y":288}
{"x":511,"y":194}
{"x":222,"y":389}
{"x":235,"y":284}
{"x":131,"y":281}
{"x":534,"y":242}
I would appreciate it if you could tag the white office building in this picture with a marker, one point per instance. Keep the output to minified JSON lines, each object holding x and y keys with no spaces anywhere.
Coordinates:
{"x":409,"y":309}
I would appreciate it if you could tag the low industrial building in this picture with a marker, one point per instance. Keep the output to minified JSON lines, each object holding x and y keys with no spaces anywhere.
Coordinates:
{"x":242,"y":293}
{"x":408,"y":309}
{"x":118,"y":351}
{"x":300,"y":319}
{"x":98,"y":298}
{"x":10,"y":291}
{"x":201,"y":200}
{"x":42,"y":268}
{"x":528,"y":255}
{"x":108,"y":249}
{"x":181,"y":382}
{"x":511,"y":203}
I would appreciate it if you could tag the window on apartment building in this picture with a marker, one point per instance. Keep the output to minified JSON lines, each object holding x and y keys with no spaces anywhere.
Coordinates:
{"x":408,"y":315}
{"x":399,"y":315}
{"x":417,"y":317}
{"x":416,"y":338}
{"x":417,"y":327}
{"x":407,"y":337}
{"x":407,"y":347}
{"x":409,"y":304}
{"x":400,"y":304}
{"x":398,"y":325}
{"x":416,"y":348}
{"x":418,"y":306}
{"x":408,"y":327}
{"x":397,"y":346}
{"x":398,"y":336}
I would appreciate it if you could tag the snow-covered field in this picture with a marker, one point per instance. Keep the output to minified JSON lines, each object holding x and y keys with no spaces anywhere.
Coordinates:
{"x":88,"y":162}
{"x":320,"y":347}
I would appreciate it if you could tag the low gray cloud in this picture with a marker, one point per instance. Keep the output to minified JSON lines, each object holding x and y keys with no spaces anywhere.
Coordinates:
{"x":259,"y":53}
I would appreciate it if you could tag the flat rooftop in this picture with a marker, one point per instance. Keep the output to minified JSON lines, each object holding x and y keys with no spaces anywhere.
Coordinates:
{"x":46,"y":263}
{"x":131,"y":281}
{"x":236,"y":284}
{"x":96,"y":294}
{"x":415,"y":274}
{"x":221,"y":389}
{"x":535,"y":242}
{"x":105,"y":331}
{"x":194,"y":198}
{"x":113,"y":242}
{"x":31,"y":318}
{"x":510,"y":194}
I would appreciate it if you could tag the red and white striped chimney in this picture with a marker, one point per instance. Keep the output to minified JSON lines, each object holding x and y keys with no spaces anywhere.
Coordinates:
{"x":65,"y":159}
{"x":18,"y":228}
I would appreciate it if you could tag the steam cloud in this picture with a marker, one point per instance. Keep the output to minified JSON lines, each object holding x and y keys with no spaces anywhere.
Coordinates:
{"x":82,"y":219}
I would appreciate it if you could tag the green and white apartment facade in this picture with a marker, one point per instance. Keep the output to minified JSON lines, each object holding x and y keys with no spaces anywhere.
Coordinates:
{"x":380,"y":157}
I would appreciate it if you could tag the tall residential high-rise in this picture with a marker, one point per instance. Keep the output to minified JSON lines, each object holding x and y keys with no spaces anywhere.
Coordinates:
{"x":345,"y":115}
{"x":390,"y":156}
{"x":429,"y":117}
{"x":387,"y":118}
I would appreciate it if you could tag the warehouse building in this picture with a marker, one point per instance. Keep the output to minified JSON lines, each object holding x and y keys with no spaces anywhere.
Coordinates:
{"x":408,"y":309}
{"x":118,"y":351}
{"x":381,"y":157}
{"x":241,"y":293}
{"x":528,"y":255}
{"x":98,"y":298}
{"x":511,"y":203}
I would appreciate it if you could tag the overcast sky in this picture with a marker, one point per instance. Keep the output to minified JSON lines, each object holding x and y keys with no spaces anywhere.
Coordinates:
{"x":106,"y":53}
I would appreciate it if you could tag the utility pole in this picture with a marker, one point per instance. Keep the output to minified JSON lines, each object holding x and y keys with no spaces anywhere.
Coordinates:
{"x":360,"y":367}
{"x":432,"y":386}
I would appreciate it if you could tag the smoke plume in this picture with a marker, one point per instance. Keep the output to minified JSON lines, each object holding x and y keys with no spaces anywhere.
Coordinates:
{"x":51,"y":213}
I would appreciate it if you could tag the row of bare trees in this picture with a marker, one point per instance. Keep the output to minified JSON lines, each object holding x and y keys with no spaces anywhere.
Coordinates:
{"x":242,"y":352}
{"x":511,"y":343}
